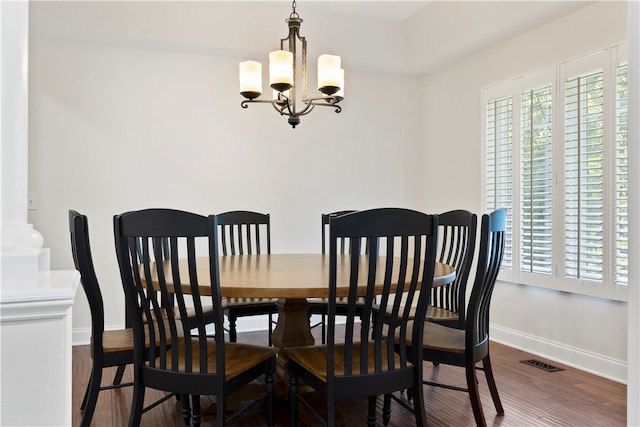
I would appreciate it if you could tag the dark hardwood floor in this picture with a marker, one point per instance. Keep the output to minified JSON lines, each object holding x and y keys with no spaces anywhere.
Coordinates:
{"x":530,"y":396}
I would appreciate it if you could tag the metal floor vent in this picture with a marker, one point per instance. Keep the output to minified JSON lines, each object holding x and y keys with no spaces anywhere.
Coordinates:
{"x":542,"y":365}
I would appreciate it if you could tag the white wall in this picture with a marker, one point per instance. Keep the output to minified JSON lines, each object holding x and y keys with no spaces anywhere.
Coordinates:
{"x":116,"y":128}
{"x":578,"y":330}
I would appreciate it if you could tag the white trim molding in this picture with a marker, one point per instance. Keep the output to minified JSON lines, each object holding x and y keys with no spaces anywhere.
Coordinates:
{"x":596,"y":364}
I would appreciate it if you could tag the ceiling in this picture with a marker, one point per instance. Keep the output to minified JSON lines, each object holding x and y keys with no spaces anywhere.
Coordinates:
{"x":407,"y":37}
{"x":396,"y":11}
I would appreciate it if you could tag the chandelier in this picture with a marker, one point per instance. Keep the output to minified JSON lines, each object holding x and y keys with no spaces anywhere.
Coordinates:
{"x":283,"y":77}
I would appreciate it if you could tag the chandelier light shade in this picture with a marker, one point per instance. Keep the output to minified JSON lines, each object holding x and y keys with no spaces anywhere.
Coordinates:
{"x":284,"y":78}
{"x":250,"y":79}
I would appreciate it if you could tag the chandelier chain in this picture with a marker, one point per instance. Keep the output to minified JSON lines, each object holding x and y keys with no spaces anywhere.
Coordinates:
{"x":294,"y":14}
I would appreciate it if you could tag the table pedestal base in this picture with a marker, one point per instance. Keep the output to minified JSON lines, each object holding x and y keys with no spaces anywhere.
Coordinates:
{"x":292,"y":312}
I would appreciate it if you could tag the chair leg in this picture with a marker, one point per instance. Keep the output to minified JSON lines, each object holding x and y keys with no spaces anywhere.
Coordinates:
{"x":86,"y":393}
{"x":488,"y":371}
{"x":233,"y":335}
{"x":186,"y":409}
{"x":91,"y":395}
{"x":331,"y":410}
{"x":197,"y":416}
{"x":419,"y":410}
{"x":474,"y":395}
{"x":137,"y":406}
{"x":270,"y":327}
{"x":221,"y":403}
{"x":371,"y":416}
{"x":293,"y":400}
{"x":119,"y":373}
{"x":386,"y":409}
{"x":271,"y":399}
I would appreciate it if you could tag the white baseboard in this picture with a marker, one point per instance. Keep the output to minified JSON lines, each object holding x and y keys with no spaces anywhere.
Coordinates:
{"x":613,"y":369}
{"x":81,"y":336}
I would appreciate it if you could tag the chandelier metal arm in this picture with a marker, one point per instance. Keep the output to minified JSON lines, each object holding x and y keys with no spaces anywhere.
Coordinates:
{"x":245,"y":103}
{"x":337,"y":107}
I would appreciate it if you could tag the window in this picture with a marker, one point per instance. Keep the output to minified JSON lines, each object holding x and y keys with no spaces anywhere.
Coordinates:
{"x":555,"y":156}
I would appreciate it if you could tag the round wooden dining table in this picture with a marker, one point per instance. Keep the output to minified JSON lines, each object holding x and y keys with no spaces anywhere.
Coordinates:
{"x":291,"y":278}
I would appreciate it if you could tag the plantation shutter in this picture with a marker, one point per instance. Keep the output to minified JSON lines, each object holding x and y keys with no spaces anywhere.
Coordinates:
{"x":621,"y":181}
{"x":583,"y":221}
{"x":499,"y":149}
{"x":536,"y":183}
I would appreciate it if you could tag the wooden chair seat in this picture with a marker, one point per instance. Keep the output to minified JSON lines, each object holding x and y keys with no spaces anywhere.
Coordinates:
{"x":191,"y":312}
{"x":117,"y":340}
{"x":440,"y":338}
{"x":443,"y":338}
{"x":314,"y":359}
{"x":238,"y":357}
{"x":340,"y":301}
{"x":435,"y":314}
{"x":248,"y":302}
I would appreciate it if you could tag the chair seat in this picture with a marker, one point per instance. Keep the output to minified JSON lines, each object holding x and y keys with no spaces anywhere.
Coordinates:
{"x":191,"y":312}
{"x":339,"y":301}
{"x":436,"y":314}
{"x":117,"y":340}
{"x":443,"y":338}
{"x":248,"y":302}
{"x":238,"y":357}
{"x":314,"y":359}
{"x":440,"y":338}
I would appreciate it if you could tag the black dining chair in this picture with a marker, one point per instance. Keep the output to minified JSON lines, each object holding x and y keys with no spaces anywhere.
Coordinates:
{"x":109,"y":348}
{"x":361,"y":362}
{"x":193,"y":364}
{"x":240,"y":233}
{"x":468,"y":346}
{"x":456,"y":247}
